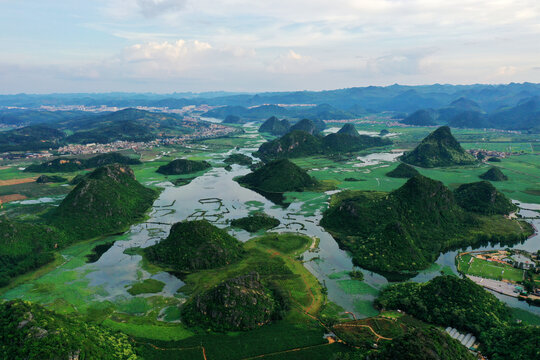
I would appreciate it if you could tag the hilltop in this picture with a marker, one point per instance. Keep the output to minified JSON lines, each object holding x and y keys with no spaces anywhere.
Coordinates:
{"x":449,"y":294}
{"x":438,"y":149}
{"x":241,"y":303}
{"x":483,"y":197}
{"x":233,"y":119}
{"x":406,"y":229}
{"x":403,"y":171}
{"x":183,"y":166}
{"x":279,"y":176}
{"x":494,"y":174}
{"x":275,"y":126}
{"x":29,"y":331}
{"x":30,"y":138}
{"x":306,"y":125}
{"x":105,"y":201}
{"x":349,"y":129}
{"x":73,"y":164}
{"x":195,"y":245}
{"x":300,"y":143}
{"x":44,"y":179}
{"x":420,"y":118}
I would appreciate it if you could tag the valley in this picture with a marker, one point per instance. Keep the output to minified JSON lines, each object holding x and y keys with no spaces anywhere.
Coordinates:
{"x":122,"y":290}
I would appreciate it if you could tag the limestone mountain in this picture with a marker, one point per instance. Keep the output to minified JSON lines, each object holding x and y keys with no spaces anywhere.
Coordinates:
{"x":241,"y":303}
{"x":195,"y":245}
{"x":29,"y":331}
{"x":105,"y":201}
{"x":403,"y":171}
{"x":405,"y":229}
{"x":420,"y":118}
{"x":183,"y":166}
{"x":279,"y":176}
{"x":494,"y":174}
{"x":349,"y":129}
{"x":483,"y":197}
{"x":300,"y":143}
{"x":275,"y":126}
{"x":438,"y":149}
{"x":305,"y":125}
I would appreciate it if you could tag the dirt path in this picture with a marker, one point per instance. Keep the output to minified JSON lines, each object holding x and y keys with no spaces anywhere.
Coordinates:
{"x":366,"y":326}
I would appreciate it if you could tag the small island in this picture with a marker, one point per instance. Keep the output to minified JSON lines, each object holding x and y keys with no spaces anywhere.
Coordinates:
{"x":183,"y":166}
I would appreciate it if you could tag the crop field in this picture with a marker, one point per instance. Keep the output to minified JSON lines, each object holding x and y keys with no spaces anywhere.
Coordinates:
{"x":488,"y":269}
{"x":512,"y":147}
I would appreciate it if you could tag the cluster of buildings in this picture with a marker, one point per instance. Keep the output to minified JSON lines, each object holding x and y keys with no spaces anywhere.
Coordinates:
{"x":478,"y":153}
{"x":93,"y":148}
{"x":211,"y":131}
{"x":29,"y":155}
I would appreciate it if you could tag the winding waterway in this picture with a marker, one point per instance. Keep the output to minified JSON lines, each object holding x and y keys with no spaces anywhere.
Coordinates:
{"x":215,"y":196}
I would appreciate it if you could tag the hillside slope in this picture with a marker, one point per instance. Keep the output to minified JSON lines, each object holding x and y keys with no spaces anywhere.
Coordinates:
{"x":438,"y":149}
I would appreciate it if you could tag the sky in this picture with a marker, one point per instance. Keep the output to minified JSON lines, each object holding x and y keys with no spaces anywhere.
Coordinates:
{"x":164,"y":46}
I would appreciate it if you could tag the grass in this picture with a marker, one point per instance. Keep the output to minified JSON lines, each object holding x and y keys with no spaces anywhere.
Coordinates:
{"x":148,"y":286}
{"x":365,"y":307}
{"x":488,"y":269}
{"x":356,"y":287}
{"x":525,"y":316}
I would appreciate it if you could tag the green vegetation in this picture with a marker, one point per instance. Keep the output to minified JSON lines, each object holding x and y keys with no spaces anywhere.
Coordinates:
{"x":257,"y":221}
{"x":277,"y":177}
{"x":71,"y":164}
{"x":438,"y":149}
{"x":460,"y":303}
{"x":44,"y":179}
{"x":239,"y":159}
{"x":348,"y":129}
{"x":424,"y":344}
{"x":275,"y":126}
{"x":299,"y":143}
{"x":106,"y":201}
{"x":240,"y":303}
{"x":266,"y":282}
{"x":420,"y":118}
{"x":308,"y":126}
{"x":512,"y":343}
{"x":195,"y":245}
{"x":148,"y":286}
{"x":182,"y":166}
{"x":482,"y":197}
{"x":233,"y":119}
{"x":403,"y":171}
{"x":29,"y":331}
{"x":494,"y":174}
{"x":399,"y":336}
{"x":447,"y":301}
{"x":488,"y":269}
{"x":25,"y":247}
{"x":406,"y":229}
{"x":30,"y":138}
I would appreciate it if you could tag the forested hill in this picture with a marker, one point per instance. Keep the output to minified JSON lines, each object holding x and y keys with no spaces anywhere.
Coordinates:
{"x":104,"y":202}
{"x":438,"y":149}
{"x":406,"y":229}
